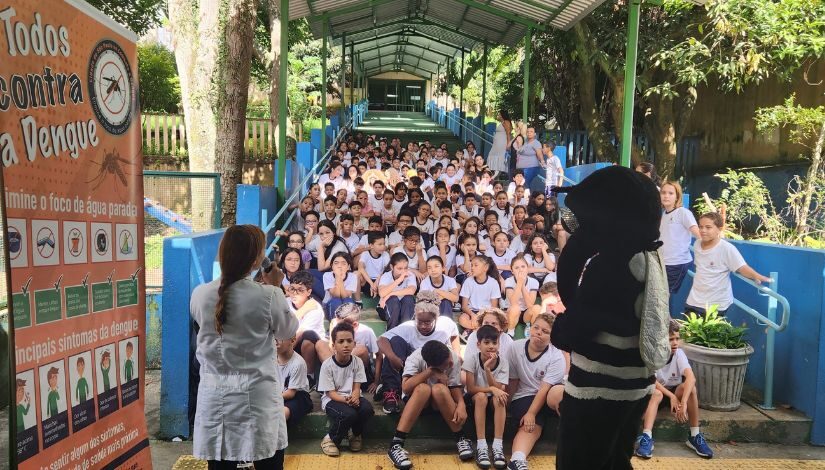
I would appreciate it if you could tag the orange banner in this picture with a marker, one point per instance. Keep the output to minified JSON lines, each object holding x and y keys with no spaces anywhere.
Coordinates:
{"x":70,"y":148}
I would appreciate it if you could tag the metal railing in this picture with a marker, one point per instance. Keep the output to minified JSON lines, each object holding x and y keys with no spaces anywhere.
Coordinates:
{"x":355,"y":117}
{"x":774,"y":300}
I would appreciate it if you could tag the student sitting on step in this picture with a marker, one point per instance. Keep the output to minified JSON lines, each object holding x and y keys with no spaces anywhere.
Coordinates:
{"x":676,"y":382}
{"x":487,"y":375}
{"x":536,"y":387}
{"x":397,"y":287}
{"x":340,"y":283}
{"x":371,"y":265}
{"x":340,"y":383}
{"x":398,"y":343}
{"x":496,"y":318}
{"x":293,"y":372}
{"x":432,"y":381}
{"x":366,"y":343}
{"x":481,"y":290}
{"x":311,"y":336}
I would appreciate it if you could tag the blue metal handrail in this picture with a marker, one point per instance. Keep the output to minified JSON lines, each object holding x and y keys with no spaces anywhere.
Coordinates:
{"x":355,"y":118}
{"x":774,"y":299}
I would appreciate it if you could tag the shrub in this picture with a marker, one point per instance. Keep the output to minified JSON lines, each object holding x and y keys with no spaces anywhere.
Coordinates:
{"x":712,"y":331}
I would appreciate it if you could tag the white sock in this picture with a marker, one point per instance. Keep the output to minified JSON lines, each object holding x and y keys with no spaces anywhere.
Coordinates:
{"x":648,"y":432}
{"x":518,"y":456}
{"x":694,"y":431}
{"x":498,"y":444}
{"x":482,"y":444}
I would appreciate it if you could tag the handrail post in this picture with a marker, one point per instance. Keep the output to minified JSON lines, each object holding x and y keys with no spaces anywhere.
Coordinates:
{"x":216,"y":185}
{"x":770,"y":341}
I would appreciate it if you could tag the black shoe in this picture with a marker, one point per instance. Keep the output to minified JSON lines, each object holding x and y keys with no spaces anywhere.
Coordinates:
{"x":499,"y":461}
{"x":483,"y":458}
{"x":379,"y":394}
{"x":391,"y":402}
{"x":399,"y":457}
{"x":465,"y":449}
{"x":517,"y":465}
{"x":464,"y":335}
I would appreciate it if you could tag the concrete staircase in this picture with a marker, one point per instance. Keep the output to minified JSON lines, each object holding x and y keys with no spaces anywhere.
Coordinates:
{"x":408,"y":126}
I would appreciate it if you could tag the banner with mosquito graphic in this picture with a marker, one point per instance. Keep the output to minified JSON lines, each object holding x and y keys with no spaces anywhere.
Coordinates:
{"x":70,"y":148}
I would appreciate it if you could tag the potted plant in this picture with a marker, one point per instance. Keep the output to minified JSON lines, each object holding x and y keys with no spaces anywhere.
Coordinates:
{"x":719,"y":356}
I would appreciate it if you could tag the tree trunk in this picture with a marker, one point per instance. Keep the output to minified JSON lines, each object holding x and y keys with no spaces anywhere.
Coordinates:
{"x":195,"y":31}
{"x":231,"y":99}
{"x":802,"y":228}
{"x":665,"y":122}
{"x":591,"y":118}
{"x":274,"y":67}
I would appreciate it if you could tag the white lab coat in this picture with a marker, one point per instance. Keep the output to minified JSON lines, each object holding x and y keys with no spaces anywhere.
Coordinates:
{"x":240,"y":412}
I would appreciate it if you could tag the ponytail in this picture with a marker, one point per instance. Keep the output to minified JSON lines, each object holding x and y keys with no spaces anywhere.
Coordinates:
{"x":240,"y":248}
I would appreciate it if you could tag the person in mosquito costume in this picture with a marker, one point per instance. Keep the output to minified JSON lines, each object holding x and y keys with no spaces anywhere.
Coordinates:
{"x":613,"y":282}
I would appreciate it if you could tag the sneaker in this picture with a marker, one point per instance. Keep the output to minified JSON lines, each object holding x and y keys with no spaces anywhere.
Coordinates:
{"x":399,"y":456}
{"x":644,"y":446}
{"x":465,"y":449}
{"x":464,"y":335}
{"x":499,"y":461}
{"x":391,"y":405}
{"x":356,"y":443}
{"x":517,"y":465}
{"x":700,"y":446}
{"x":483,"y":458}
{"x":312,"y":384}
{"x":379,"y":393}
{"x":329,"y":448}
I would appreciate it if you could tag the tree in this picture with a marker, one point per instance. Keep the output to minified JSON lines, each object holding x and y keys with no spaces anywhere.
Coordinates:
{"x":138,"y":15}
{"x":213,"y":48}
{"x":159,"y":82}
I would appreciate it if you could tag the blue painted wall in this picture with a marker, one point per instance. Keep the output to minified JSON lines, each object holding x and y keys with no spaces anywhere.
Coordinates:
{"x":799,"y":372}
{"x":189,"y":260}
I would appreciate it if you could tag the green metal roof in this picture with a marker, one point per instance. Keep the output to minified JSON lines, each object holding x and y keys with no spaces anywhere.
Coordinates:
{"x":418,"y":35}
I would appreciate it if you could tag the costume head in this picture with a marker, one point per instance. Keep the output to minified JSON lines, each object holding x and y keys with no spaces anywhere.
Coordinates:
{"x":616,"y":213}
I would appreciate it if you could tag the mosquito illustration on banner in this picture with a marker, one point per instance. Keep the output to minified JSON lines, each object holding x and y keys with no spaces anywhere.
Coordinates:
{"x":112,"y":164}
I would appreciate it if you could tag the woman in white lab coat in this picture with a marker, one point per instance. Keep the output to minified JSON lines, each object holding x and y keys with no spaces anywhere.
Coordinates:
{"x":239,"y":415}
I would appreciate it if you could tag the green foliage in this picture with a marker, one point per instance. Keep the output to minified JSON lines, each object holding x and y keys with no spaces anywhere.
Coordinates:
{"x":712,"y":331}
{"x":747,"y":41}
{"x":805,"y":123}
{"x":159,"y":81}
{"x":138,"y":15}
{"x":748,"y":202}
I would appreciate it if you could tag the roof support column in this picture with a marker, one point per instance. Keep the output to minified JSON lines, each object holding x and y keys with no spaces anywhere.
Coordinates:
{"x":447,"y":98}
{"x":630,"y":80}
{"x":528,"y":52}
{"x":352,"y":79}
{"x":437,"y":83}
{"x":342,"y":115}
{"x":324,"y":54}
{"x":282,"y":102}
{"x":483,"y":110}
{"x":461,"y":85}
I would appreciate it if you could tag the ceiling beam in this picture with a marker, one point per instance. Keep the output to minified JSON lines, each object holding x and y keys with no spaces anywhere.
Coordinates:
{"x":414,"y":22}
{"x":410,"y":34}
{"x":394,"y":64}
{"x":501,"y":13}
{"x":426,"y":49}
{"x":360,"y":6}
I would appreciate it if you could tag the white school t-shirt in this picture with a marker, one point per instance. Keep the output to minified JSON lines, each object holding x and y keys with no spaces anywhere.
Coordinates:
{"x":366,"y":336}
{"x":459,"y":262}
{"x":426,"y":227}
{"x":412,"y":261}
{"x":387,"y":279}
{"x":445,"y":329}
{"x":450,"y":255}
{"x":350,"y":284}
{"x":395,"y":238}
{"x":504,"y":259}
{"x":505,"y":341}
{"x":711,"y":284}
{"x":315,"y":244}
{"x":504,"y":217}
{"x":365,"y":243}
{"x":480,"y":295}
{"x":415,"y":364}
{"x":323,"y":216}
{"x":447,"y":283}
{"x":517,"y":245}
{"x":339,"y":377}
{"x":473,"y":364}
{"x":548,"y":367}
{"x":675,"y":234}
{"x":374,"y":266}
{"x":294,"y":374}
{"x":671,"y":374}
{"x":510,"y":283}
{"x":351,"y":241}
{"x":312,"y":319}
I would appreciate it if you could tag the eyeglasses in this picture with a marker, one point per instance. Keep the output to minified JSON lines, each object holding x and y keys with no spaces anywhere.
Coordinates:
{"x":296,"y":289}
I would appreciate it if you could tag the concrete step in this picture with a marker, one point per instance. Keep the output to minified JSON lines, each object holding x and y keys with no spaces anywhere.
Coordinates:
{"x":748,"y":424}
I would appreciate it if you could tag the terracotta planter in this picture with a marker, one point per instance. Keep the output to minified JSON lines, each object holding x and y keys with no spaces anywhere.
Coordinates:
{"x":720,"y":375}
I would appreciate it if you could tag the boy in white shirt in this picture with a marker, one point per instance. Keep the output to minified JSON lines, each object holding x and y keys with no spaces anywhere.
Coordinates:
{"x":676,"y":382}
{"x":293,"y":372}
{"x":311,"y":335}
{"x":340,"y":383}
{"x":432,"y":379}
{"x":345,"y":231}
{"x":554,"y":170}
{"x":366,"y":343}
{"x":371,"y":264}
{"x":486,"y":378}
